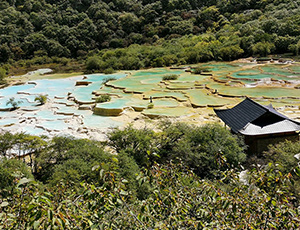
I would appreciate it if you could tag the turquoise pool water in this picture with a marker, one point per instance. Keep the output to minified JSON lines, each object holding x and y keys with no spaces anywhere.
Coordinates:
{"x":170,"y":98}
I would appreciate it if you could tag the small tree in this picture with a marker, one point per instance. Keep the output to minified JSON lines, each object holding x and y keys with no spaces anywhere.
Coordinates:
{"x":2,"y":75}
{"x":41,"y":99}
{"x":93,"y":63}
{"x":15,"y":104}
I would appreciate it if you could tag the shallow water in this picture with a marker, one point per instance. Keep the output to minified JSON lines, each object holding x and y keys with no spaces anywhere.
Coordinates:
{"x":267,"y":83}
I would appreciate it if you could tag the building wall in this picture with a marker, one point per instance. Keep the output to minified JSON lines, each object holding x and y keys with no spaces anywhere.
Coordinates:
{"x":258,"y":144}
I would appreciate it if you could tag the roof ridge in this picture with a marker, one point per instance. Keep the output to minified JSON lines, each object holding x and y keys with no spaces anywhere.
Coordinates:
{"x":245,"y":112}
{"x":248,"y":98}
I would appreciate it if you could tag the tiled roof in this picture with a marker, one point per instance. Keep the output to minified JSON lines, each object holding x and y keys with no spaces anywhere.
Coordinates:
{"x":251,"y":118}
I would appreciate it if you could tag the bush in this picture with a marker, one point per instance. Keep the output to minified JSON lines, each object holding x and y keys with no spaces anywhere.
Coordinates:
{"x":199,"y":70}
{"x":137,"y":143}
{"x":70,"y":159}
{"x":150,"y":106}
{"x":107,"y":79}
{"x":93,"y":63}
{"x":205,"y":149}
{"x":41,"y":99}
{"x":170,"y":77}
{"x":2,"y":75}
{"x":103,"y":98}
{"x":15,"y":104}
{"x":284,"y":155}
{"x":9,"y":171}
{"x":109,"y":71}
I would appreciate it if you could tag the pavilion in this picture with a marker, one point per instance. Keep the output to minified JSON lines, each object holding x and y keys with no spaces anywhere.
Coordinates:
{"x":260,"y":125}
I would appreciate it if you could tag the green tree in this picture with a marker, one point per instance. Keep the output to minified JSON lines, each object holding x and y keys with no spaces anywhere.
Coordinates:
{"x":2,"y":75}
{"x":230,"y":53}
{"x":10,"y":170}
{"x":93,"y":63}
{"x":263,"y":48}
{"x":7,"y":141}
{"x":208,"y":148}
{"x":67,"y":155}
{"x":41,"y":99}
{"x":15,"y":104}
{"x":137,"y":143}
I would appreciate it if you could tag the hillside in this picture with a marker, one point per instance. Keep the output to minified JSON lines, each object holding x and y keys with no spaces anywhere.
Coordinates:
{"x":228,"y":29}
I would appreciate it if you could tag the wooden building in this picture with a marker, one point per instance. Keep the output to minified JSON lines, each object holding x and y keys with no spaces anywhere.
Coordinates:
{"x":260,"y":125}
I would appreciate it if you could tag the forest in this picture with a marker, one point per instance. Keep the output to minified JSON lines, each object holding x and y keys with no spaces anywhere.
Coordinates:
{"x":124,"y":34}
{"x":178,"y":177}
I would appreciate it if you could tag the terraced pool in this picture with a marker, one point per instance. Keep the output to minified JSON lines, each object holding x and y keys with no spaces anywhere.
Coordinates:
{"x":72,"y":107}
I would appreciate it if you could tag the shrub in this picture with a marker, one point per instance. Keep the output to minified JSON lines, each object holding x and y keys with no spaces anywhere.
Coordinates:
{"x":284,"y":154}
{"x":107,"y":79}
{"x":2,"y":75}
{"x":150,"y":106}
{"x":41,"y":99}
{"x":10,"y":169}
{"x":199,"y":70}
{"x":205,"y":149}
{"x":108,"y":71}
{"x":93,"y":63}
{"x":137,"y":143}
{"x":12,"y":101}
{"x":103,"y":98}
{"x":70,"y":159}
{"x":170,"y":77}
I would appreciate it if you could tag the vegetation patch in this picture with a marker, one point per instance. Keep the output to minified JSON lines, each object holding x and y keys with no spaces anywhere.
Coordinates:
{"x":13,"y":103}
{"x":158,"y":176}
{"x":107,"y":79}
{"x":200,"y":70}
{"x":170,"y":77}
{"x":150,"y":106}
{"x":103,"y":98}
{"x":41,"y":99}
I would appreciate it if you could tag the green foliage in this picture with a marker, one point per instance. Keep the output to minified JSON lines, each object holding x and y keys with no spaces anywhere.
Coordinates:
{"x":150,"y":106}
{"x":129,"y":170}
{"x":284,"y":154}
{"x":84,"y":187}
{"x":15,"y":104}
{"x":7,"y":142}
{"x":107,"y":79}
{"x":3,"y":75}
{"x":137,"y":143}
{"x":109,"y":71}
{"x":103,"y":98}
{"x":39,"y":30}
{"x":205,"y":149}
{"x":263,"y":48}
{"x":93,"y":63}
{"x":179,"y":199}
{"x":41,"y":99}
{"x":199,"y":70}
{"x":10,"y":171}
{"x":70,"y":159}
{"x":170,"y":77}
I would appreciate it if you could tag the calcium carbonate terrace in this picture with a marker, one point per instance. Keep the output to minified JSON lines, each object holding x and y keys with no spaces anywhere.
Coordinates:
{"x":72,"y":108}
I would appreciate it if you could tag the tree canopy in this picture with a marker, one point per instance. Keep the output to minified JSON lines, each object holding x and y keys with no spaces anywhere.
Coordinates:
{"x":70,"y":28}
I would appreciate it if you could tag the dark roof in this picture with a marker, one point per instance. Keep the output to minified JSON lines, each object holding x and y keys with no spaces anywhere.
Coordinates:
{"x":251,"y":118}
